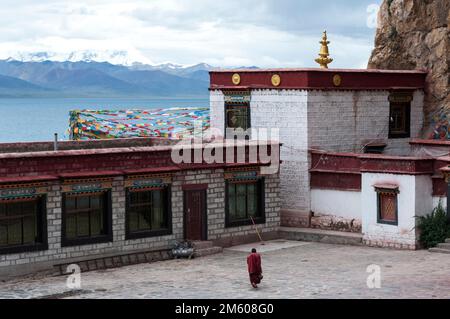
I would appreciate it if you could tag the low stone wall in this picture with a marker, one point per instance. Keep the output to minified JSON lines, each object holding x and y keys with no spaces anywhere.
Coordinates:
{"x":82,"y":145}
{"x":292,"y":218}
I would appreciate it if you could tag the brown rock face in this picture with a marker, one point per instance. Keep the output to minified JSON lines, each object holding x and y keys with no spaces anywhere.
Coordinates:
{"x":415,"y":34}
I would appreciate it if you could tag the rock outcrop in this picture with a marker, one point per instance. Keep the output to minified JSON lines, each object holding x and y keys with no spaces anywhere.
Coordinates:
{"x":415,"y":34}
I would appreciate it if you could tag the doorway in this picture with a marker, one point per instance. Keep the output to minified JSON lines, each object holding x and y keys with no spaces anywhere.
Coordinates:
{"x":195,"y":219}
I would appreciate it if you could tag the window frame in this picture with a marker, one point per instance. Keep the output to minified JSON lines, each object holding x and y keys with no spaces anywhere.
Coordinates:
{"x":260,"y":185}
{"x":41,"y":226}
{"x":402,"y":100}
{"x":149,"y":233}
{"x":381,"y":192}
{"x":108,"y":237}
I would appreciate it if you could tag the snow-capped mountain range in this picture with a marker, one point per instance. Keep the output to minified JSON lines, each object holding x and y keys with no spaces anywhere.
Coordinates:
{"x":115,"y":57}
{"x":99,"y":73}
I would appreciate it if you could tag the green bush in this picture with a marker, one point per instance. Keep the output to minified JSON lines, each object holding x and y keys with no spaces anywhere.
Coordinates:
{"x":434,"y":228}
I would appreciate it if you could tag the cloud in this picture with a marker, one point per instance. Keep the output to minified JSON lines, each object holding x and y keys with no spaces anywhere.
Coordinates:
{"x":270,"y":33}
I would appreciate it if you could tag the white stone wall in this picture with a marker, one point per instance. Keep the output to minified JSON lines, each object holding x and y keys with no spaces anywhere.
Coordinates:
{"x":340,"y":209}
{"x":215,"y":212}
{"x":287,"y":110}
{"x":414,"y":199}
{"x":217,"y":110}
{"x":344,"y":121}
{"x":436,"y":199}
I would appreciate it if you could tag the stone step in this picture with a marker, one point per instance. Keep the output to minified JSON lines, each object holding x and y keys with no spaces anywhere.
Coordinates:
{"x":320,"y":235}
{"x":114,"y":261}
{"x":202,"y":244}
{"x":447,"y":240}
{"x":443,"y":246}
{"x":439,"y":250}
{"x":207,"y":251}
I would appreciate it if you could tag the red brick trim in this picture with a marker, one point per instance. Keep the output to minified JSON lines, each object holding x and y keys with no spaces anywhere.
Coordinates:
{"x":336,"y":181}
{"x":27,"y":179}
{"x":319,"y":79}
{"x":78,"y":175}
{"x":194,"y":187}
{"x":439,"y":186}
{"x":371,"y":163}
{"x":152,"y":170}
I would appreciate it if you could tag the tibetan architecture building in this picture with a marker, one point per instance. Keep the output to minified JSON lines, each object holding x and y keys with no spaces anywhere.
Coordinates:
{"x":352,"y":157}
{"x":106,"y":203}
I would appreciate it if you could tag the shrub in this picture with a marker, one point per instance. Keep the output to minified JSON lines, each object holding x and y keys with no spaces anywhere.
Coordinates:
{"x":434,"y":228}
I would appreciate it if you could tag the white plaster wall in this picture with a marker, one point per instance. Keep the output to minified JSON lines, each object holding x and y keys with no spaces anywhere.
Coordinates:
{"x":435,"y":201}
{"x":424,"y":195}
{"x":287,"y":110}
{"x":342,"y":204}
{"x":217,"y":110}
{"x":344,"y":121}
{"x":402,"y":235}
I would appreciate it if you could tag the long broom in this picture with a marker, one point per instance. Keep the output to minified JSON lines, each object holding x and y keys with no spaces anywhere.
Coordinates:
{"x":257,"y":232}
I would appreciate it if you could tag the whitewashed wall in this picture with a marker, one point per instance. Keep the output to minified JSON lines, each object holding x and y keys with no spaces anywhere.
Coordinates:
{"x":287,"y":110}
{"x":342,"y":204}
{"x":414,"y":199}
{"x":336,"y":210}
{"x":217,"y":110}
{"x":344,"y":121}
{"x":436,"y":199}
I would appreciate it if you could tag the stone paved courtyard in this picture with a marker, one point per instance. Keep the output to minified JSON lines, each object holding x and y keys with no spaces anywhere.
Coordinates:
{"x":291,"y":270}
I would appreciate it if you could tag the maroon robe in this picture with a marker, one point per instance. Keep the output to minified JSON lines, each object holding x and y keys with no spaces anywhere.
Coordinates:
{"x":254,"y":268}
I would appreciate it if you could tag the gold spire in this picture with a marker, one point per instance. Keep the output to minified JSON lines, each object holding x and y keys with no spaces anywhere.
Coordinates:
{"x":324,"y":58}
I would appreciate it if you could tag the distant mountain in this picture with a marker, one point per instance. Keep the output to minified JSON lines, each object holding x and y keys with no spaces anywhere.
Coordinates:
{"x":10,"y":86}
{"x":9,"y":82}
{"x":80,"y":75}
{"x":118,"y":57}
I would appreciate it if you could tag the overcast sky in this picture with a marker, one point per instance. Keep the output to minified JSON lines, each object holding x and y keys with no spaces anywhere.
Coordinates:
{"x":265,"y":33}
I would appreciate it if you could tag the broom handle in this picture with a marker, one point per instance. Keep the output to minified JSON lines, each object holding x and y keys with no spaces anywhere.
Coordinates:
{"x":256,"y":229}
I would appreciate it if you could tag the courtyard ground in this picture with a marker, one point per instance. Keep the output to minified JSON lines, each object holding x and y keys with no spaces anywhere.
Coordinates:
{"x":291,"y":270}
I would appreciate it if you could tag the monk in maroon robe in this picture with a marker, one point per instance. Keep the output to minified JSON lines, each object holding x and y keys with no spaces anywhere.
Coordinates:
{"x":254,"y":268}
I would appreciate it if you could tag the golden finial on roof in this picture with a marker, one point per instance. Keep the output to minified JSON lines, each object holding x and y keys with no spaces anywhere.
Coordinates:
{"x":324,"y":56}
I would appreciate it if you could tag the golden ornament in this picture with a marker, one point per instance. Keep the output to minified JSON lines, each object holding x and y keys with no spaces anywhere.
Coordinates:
{"x":337,"y":80}
{"x":276,"y":80}
{"x":236,"y":79}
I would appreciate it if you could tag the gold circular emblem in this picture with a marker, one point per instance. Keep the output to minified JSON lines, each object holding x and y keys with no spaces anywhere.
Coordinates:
{"x":276,"y":80}
{"x":236,"y":78}
{"x":337,"y":80}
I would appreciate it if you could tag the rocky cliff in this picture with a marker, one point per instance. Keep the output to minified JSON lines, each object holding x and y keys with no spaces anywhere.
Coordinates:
{"x":415,"y":34}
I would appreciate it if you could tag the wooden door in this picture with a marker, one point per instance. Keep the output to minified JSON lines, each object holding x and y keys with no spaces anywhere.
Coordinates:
{"x":195,"y":214}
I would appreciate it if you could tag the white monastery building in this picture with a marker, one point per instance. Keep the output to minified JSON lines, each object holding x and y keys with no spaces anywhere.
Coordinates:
{"x":351,"y":157}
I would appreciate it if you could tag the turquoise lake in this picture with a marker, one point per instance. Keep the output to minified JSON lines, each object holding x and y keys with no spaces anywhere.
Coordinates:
{"x":37,"y":119}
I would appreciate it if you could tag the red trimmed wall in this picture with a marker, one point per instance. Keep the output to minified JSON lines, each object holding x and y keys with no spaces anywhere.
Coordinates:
{"x":319,"y":79}
{"x":342,"y":171}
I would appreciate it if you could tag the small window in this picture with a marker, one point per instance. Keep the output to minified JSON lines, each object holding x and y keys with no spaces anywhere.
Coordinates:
{"x":148,"y":213}
{"x":22,"y":225}
{"x":387,"y":206}
{"x":245,"y":201}
{"x":400,"y":115}
{"x":86,"y":218}
{"x":238,"y":116}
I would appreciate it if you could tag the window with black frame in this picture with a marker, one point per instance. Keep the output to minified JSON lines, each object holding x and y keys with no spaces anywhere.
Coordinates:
{"x":86,"y":218}
{"x":244,"y":202}
{"x":22,"y":224}
{"x":400,"y":115}
{"x":238,"y":116}
{"x":148,"y":212}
